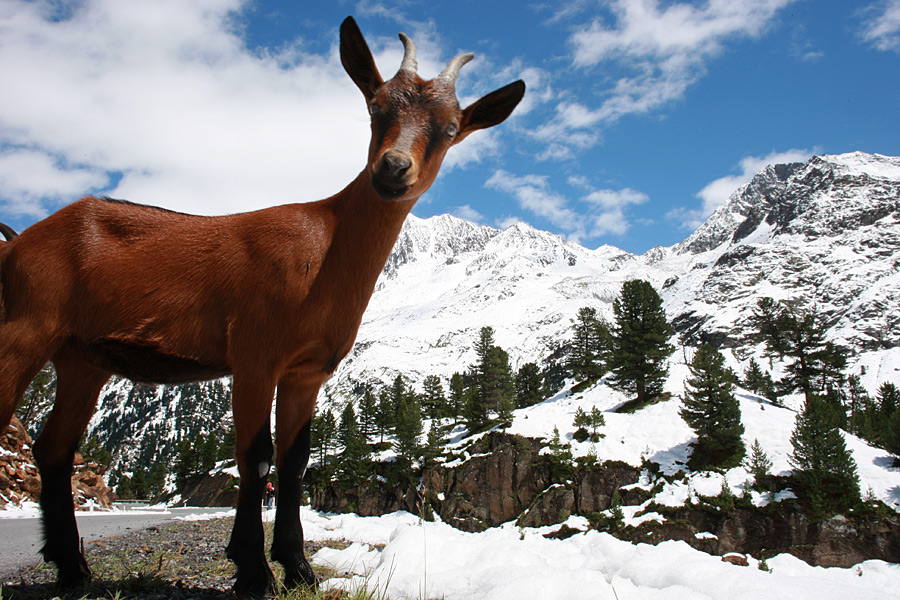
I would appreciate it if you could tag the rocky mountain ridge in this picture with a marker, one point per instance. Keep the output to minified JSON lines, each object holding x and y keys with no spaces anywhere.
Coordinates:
{"x":825,"y":233}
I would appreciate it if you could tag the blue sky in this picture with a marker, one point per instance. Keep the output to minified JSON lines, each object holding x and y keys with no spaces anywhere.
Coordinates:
{"x":641,"y":116}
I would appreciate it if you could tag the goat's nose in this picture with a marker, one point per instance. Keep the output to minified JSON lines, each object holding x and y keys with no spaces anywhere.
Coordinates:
{"x":395,"y":162}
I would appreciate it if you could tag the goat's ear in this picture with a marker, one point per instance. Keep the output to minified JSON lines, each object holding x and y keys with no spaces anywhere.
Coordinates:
{"x":491,"y":109}
{"x":357,"y":59}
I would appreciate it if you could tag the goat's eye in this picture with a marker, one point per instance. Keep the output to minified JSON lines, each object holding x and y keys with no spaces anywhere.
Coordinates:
{"x":452,"y":130}
{"x":373,"y":108}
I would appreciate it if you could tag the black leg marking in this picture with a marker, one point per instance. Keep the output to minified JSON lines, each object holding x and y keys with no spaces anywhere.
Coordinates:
{"x":246,"y":548}
{"x":59,"y":526}
{"x":287,"y":542}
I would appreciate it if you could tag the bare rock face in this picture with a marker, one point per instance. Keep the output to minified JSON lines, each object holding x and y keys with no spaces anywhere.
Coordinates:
{"x":20,"y":480}
{"x":210,"y":490}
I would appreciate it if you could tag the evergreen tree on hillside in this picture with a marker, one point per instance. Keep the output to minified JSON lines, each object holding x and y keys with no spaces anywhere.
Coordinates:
{"x":758,"y":464}
{"x":823,"y":466}
{"x":408,"y":429}
{"x":139,"y":488}
{"x":368,"y":413}
{"x":186,"y":462}
{"x":434,"y":402}
{"x":37,"y":400}
{"x":353,"y":462}
{"x":639,"y":341}
{"x":323,"y":437}
{"x":226,"y":448}
{"x":209,"y":447}
{"x":457,"y":400}
{"x":528,"y":385}
{"x":760,"y":382}
{"x":713,"y":412}
{"x":156,"y":481}
{"x":386,"y":415}
{"x":554,"y":370}
{"x":814,"y":367}
{"x":588,"y":345}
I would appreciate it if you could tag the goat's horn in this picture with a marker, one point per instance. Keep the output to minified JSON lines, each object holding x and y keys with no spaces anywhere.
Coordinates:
{"x":409,"y":54}
{"x":450,"y":74}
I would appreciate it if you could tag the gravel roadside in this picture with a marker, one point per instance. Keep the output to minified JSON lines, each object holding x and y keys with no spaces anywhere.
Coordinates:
{"x":174,"y":561}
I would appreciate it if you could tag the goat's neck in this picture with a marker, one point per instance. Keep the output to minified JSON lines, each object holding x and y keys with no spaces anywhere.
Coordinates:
{"x":365,"y":230}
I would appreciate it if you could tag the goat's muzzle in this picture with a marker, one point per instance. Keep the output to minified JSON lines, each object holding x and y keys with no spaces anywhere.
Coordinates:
{"x":394,"y":173}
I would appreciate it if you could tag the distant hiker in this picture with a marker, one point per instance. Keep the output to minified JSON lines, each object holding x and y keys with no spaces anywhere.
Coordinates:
{"x":270,"y":495}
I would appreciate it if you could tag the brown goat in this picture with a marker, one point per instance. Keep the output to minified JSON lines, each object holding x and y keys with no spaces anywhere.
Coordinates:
{"x":273,"y":297}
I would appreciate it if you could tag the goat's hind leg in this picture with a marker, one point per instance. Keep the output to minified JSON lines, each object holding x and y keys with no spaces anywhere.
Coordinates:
{"x":77,"y":387}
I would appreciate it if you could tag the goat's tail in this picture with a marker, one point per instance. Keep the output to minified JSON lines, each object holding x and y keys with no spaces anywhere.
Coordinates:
{"x":9,"y":233}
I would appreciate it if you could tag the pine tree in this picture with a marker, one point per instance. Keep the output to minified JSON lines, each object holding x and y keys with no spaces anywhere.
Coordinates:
{"x":639,"y":341}
{"x":123,"y":488}
{"x":408,"y":429}
{"x":156,"y":482}
{"x":560,"y":456}
{"x":528,"y":385}
{"x":386,"y":415}
{"x":353,"y":462}
{"x":323,"y":435}
{"x":554,"y":370}
{"x":457,"y":400}
{"x":139,"y":487}
{"x":759,"y":464}
{"x":434,"y":403}
{"x":493,"y":375}
{"x":587,"y":347}
{"x":368,"y":413}
{"x":185,"y":462}
{"x":93,"y":451}
{"x":37,"y":399}
{"x":209,"y":447}
{"x":822,"y":464}
{"x":226,"y":448}
{"x":596,"y":420}
{"x":713,"y":412}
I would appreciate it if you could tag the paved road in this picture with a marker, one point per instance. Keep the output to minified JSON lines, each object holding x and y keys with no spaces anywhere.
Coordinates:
{"x":20,"y":539}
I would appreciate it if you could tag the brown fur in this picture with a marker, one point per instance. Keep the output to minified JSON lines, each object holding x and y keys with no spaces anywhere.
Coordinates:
{"x":273,"y":297}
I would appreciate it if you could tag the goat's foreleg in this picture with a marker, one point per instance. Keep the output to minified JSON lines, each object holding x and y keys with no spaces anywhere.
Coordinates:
{"x":296,"y":399}
{"x":251,"y":404}
{"x":78,"y":385}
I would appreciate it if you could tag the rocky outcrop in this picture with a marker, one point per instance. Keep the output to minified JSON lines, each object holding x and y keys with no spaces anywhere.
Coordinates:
{"x":836,"y":542}
{"x":220,"y":489}
{"x":20,"y":481}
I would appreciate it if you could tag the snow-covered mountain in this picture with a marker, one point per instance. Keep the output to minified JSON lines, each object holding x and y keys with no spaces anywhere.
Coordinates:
{"x":823,"y":233}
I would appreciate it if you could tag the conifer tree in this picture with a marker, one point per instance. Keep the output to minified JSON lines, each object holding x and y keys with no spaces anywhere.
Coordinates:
{"x":139,"y":488}
{"x":123,"y":488}
{"x":368,"y":413}
{"x":323,"y":435}
{"x":185,"y":462}
{"x":554,"y":370}
{"x":596,"y":420}
{"x":528,"y":385}
{"x":209,"y":446}
{"x":493,"y":376}
{"x":434,"y":403}
{"x":386,"y":415}
{"x":560,"y":456}
{"x":457,"y":399}
{"x":156,"y":481}
{"x":408,"y":429}
{"x":712,"y":411}
{"x":226,"y":448}
{"x":37,"y":399}
{"x":587,"y":347}
{"x":759,"y":464}
{"x":822,"y":464}
{"x":639,"y":341}
{"x":353,"y":461}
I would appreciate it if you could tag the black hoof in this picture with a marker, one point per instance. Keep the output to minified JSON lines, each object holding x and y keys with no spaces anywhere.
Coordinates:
{"x":256,"y":586}
{"x":300,"y":576}
{"x":75,"y":575}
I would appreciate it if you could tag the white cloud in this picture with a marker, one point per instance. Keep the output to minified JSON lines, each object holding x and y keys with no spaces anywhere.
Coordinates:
{"x":715,"y":193}
{"x":599,"y":213}
{"x":881,"y":25}
{"x":662,"y":49}
{"x":161,"y":102}
{"x":469,"y":214}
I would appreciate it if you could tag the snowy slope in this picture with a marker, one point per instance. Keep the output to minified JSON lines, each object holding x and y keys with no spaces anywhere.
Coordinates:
{"x":824,"y":233}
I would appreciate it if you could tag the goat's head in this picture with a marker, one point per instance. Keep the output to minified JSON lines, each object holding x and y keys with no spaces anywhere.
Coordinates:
{"x":414,"y":122}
